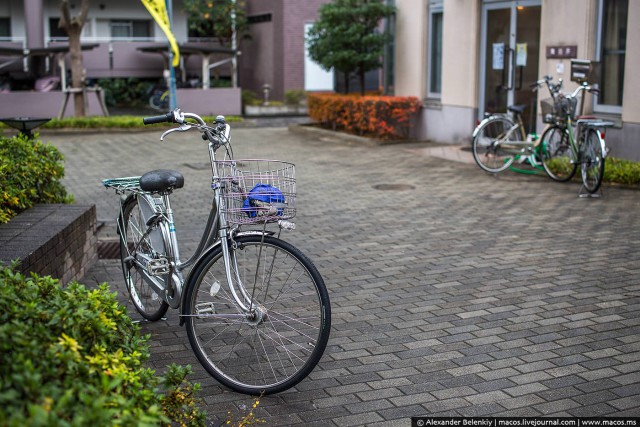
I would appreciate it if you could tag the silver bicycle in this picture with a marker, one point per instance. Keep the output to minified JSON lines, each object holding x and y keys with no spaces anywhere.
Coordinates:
{"x":256,"y":309}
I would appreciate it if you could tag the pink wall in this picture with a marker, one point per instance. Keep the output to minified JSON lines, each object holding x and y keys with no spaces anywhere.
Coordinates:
{"x":275,"y":55}
{"x":225,"y":101}
{"x":48,"y":104}
{"x":41,"y":104}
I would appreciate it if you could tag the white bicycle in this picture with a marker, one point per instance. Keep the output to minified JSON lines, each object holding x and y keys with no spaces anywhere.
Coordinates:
{"x":256,"y":309}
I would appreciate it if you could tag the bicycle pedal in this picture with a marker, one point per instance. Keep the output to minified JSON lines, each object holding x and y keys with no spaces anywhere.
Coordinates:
{"x":205,"y":308}
{"x":158,"y":267}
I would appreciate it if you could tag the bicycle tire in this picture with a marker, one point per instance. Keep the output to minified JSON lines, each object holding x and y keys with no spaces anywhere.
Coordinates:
{"x":592,"y":161}
{"x":147,"y":302}
{"x":277,"y":348}
{"x":489,"y":156}
{"x":558,"y":158}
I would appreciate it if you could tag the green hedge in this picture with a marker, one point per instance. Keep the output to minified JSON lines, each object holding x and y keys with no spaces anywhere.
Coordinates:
{"x":620,"y":171}
{"x":30,"y":173}
{"x":111,"y":122}
{"x":73,"y":357}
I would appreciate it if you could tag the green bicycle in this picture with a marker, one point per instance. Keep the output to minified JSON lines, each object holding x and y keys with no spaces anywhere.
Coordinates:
{"x":571,"y":140}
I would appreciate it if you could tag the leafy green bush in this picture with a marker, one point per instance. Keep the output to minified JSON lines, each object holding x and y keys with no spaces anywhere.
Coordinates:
{"x":113,"y":122}
{"x":616,"y":171}
{"x":294,"y":97}
{"x":130,"y":92}
{"x":73,"y":356}
{"x":621,"y":171}
{"x":30,"y":173}
{"x":250,"y":98}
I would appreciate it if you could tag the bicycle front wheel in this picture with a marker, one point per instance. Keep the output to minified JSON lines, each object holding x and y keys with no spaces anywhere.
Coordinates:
{"x":558,"y":159}
{"x":487,"y":146}
{"x":281,"y":338}
{"x":592,"y":163}
{"x":133,"y":241}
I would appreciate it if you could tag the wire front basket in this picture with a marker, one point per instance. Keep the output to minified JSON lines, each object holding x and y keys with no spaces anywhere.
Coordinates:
{"x":554,"y":110}
{"x":548,"y":110}
{"x":257,"y":191}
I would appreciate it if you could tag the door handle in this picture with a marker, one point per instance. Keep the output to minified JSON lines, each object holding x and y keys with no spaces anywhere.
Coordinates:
{"x":509,"y":69}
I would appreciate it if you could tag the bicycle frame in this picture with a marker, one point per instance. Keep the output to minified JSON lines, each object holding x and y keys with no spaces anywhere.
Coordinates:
{"x":216,"y":231}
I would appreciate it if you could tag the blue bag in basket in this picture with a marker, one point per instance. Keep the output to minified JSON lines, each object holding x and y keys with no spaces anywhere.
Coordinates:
{"x":263,"y":200}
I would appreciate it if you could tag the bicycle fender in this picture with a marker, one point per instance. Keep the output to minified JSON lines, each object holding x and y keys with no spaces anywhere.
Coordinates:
{"x":485,"y":120}
{"x":196,"y":266}
{"x":123,"y":203}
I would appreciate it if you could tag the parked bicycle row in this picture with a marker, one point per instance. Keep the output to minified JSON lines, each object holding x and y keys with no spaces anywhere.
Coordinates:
{"x":569,"y":140}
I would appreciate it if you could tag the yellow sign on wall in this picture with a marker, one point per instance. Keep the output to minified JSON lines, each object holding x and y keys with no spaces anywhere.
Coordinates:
{"x":158,"y":10}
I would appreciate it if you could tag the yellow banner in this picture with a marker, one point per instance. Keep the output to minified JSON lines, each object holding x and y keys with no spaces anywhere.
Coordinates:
{"x":158,"y":9}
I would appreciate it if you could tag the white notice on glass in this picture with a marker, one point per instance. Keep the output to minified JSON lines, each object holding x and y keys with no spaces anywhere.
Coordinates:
{"x":498,"y":56}
{"x":521,"y":54}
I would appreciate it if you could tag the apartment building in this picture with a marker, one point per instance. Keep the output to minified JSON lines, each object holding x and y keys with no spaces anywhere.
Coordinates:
{"x":122,"y":40}
{"x":464,"y":58}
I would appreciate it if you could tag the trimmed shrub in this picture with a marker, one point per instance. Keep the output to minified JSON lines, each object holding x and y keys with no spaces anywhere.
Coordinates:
{"x":73,"y":356}
{"x":294,"y":97}
{"x":130,"y":92}
{"x":621,"y":171}
{"x":386,"y":117}
{"x":30,"y":173}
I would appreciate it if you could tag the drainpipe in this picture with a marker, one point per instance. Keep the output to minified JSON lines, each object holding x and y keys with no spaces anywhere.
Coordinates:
{"x":234,"y":46}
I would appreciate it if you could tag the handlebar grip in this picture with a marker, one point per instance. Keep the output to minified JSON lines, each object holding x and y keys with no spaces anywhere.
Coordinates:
{"x":165,"y":118}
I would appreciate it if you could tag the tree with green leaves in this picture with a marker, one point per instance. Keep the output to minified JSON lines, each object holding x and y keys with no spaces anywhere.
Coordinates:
{"x":347,"y":37}
{"x":216,"y":18}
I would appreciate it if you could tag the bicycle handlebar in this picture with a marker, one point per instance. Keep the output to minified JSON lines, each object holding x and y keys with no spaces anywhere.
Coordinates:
{"x":217,"y":134}
{"x":587,"y":87}
{"x":165,"y":118}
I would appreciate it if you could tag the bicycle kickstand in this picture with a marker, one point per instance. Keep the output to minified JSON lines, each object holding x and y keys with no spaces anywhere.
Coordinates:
{"x":583,"y":194}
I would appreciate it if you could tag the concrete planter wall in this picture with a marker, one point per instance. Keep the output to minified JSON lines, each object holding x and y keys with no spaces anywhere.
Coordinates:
{"x":274,"y":110}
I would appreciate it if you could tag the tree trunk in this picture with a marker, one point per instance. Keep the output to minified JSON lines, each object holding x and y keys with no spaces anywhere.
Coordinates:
{"x":346,"y":82}
{"x":73,"y":28}
{"x":77,"y":72}
{"x":361,"y":75}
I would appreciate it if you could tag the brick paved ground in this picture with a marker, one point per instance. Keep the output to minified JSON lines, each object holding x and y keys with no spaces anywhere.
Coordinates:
{"x":466,"y":295}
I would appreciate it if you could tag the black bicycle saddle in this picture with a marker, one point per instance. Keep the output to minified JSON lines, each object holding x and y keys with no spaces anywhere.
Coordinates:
{"x":161,"y":181}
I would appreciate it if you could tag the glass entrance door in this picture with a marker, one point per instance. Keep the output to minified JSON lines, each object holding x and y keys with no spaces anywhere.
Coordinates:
{"x":509,"y":57}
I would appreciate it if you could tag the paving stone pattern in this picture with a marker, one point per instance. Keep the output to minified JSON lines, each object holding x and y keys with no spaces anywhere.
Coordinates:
{"x":467,"y":295}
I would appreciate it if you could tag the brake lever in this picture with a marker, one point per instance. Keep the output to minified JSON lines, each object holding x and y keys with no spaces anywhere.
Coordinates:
{"x":182,"y":128}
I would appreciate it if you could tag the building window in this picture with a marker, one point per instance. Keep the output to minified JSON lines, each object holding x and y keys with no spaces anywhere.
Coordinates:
{"x":56,"y":33}
{"x":5,"y":28}
{"x":256,"y":19}
{"x":127,"y":29}
{"x":434,"y":66}
{"x":612,"y":42}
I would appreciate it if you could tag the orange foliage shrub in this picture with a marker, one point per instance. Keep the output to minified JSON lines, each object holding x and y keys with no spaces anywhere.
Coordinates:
{"x":386,"y":117}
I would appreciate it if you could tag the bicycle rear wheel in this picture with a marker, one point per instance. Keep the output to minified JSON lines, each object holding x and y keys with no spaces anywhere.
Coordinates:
{"x":593,"y":160}
{"x":487,"y":144}
{"x":133,"y":241}
{"x":276,"y":345}
{"x":558,"y":159}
